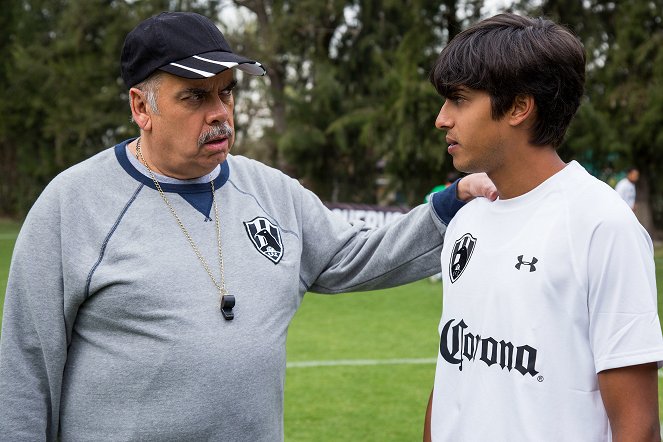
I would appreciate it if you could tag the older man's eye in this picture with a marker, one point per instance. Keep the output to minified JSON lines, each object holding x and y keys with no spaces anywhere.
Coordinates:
{"x":192,"y":98}
{"x":228,"y":90}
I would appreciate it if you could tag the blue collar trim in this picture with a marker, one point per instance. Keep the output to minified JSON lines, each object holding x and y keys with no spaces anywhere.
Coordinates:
{"x":198,"y":195}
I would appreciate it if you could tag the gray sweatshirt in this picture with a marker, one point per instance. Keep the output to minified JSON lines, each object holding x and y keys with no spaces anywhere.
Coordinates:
{"x":112,"y":328}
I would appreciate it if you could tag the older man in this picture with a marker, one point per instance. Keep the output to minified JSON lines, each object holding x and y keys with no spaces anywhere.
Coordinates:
{"x":152,"y":285}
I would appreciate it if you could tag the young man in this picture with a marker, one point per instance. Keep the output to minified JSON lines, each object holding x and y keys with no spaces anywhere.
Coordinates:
{"x":549,"y":330}
{"x":152,"y":285}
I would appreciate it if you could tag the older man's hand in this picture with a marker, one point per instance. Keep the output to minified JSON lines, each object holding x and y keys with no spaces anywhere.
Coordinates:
{"x":476,"y":185}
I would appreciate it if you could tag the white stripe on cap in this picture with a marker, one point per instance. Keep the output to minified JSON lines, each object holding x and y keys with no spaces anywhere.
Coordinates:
{"x":228,"y":64}
{"x":197,"y":71}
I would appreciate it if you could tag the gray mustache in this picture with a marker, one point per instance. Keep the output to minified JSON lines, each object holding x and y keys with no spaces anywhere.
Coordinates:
{"x":222,"y":130}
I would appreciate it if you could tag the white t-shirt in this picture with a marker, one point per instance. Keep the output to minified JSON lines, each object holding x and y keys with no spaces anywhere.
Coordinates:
{"x":541,"y":292}
{"x":626,"y":189}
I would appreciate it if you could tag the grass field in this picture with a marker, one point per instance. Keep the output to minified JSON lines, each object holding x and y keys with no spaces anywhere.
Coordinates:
{"x":8,"y":232}
{"x":368,"y":402}
{"x":361,"y":365}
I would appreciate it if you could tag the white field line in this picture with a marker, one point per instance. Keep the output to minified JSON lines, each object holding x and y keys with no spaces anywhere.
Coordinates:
{"x":354,"y":362}
{"x":351,"y":362}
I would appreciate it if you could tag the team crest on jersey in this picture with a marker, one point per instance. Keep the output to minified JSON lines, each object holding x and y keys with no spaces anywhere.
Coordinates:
{"x":460,"y":255}
{"x":266,"y":238}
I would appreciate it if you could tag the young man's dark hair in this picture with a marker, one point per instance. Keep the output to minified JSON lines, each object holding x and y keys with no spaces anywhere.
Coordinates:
{"x":543,"y":59}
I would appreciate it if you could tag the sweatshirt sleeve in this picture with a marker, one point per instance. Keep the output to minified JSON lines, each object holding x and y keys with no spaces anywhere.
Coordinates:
{"x":33,"y":344}
{"x":339,"y":257}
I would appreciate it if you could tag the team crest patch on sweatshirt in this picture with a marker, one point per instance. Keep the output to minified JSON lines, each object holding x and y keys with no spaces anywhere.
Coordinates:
{"x":460,"y":256}
{"x":266,"y":238}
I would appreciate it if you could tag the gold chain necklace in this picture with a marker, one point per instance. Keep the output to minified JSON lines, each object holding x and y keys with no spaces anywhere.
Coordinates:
{"x":227,"y":301}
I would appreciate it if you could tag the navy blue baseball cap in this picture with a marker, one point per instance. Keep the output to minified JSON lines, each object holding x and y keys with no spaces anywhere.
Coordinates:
{"x":185,"y":44}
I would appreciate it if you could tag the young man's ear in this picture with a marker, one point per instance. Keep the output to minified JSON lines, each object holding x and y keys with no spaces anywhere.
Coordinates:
{"x":522,"y":109}
{"x":140,"y":110}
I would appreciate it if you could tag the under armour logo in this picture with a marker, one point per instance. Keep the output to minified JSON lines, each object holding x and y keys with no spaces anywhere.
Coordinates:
{"x":525,"y":263}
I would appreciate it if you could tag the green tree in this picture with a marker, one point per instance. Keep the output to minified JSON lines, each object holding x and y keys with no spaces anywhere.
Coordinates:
{"x":288,"y":37}
{"x":620,"y":121}
{"x":8,"y":161}
{"x":634,"y":71}
{"x":62,"y":97}
{"x":349,"y":91}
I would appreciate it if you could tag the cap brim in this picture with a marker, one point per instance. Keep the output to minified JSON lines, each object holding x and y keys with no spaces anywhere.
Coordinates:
{"x":211,"y":63}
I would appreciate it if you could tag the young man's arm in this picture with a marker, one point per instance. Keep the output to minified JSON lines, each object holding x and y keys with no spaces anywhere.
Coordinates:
{"x":630,"y":396}
{"x":427,"y":436}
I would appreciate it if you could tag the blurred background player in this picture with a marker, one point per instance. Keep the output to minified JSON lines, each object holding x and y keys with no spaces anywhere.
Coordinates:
{"x":626,"y":187}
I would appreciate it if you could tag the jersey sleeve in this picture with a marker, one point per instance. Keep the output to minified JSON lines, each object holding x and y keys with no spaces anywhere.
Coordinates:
{"x":624,"y":324}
